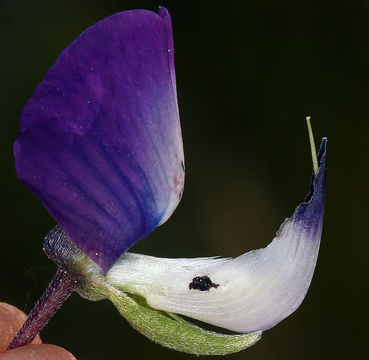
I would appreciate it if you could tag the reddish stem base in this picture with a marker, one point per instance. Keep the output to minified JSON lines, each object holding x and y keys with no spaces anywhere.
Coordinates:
{"x":56,"y":293}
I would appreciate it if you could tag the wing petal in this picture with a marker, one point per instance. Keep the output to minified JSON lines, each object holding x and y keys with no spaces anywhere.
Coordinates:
{"x":254,"y":291}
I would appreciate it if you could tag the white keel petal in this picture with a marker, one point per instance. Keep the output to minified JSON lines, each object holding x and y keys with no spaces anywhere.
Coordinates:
{"x":252,"y":292}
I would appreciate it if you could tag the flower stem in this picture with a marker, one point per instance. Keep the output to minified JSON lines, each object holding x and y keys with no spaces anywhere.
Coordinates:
{"x":56,"y":293}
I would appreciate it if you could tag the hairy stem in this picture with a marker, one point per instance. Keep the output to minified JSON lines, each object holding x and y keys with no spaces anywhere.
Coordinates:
{"x":56,"y":293}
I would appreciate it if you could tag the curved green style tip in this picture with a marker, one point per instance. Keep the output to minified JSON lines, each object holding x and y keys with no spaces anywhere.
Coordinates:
{"x":312,"y":145}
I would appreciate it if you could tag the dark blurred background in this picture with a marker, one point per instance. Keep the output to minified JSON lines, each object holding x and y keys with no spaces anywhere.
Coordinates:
{"x":248,"y":72}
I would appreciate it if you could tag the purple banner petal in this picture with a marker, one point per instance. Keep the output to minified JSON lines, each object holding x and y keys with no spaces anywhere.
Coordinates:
{"x":100,"y":141}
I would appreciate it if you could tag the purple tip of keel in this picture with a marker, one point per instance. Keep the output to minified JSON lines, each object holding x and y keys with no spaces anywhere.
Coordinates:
{"x":309,"y":214}
{"x":100,"y":141}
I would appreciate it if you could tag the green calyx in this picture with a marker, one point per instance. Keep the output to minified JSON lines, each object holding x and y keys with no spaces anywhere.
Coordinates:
{"x":167,"y":329}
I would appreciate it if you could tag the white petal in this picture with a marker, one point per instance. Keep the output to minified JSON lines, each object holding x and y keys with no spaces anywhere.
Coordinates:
{"x":252,"y":292}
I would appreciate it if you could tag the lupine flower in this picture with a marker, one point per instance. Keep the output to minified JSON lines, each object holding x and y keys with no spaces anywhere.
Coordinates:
{"x":100,"y":145}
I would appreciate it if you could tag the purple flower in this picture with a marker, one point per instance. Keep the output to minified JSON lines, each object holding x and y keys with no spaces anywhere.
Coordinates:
{"x":100,"y":145}
{"x":100,"y":141}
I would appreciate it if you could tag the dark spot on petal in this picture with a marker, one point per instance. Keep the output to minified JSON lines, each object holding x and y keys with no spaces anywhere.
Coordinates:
{"x":182,"y":165}
{"x":202,"y":283}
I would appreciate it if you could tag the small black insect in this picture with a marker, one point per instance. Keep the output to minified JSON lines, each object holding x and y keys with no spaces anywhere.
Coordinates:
{"x":202,"y":283}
